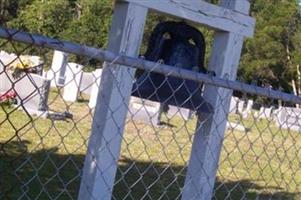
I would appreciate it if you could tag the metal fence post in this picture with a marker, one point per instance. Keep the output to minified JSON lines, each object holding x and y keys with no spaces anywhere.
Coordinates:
{"x":112,"y":105}
{"x":208,"y":140}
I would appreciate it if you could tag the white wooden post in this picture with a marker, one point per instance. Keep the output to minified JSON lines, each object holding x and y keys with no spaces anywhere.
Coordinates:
{"x":210,"y":131}
{"x":112,"y":105}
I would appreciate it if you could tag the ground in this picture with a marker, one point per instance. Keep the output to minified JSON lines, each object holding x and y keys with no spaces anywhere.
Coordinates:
{"x":42,"y":159}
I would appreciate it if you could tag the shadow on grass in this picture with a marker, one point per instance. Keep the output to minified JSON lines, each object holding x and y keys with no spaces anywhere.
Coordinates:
{"x":45,"y":174}
{"x":82,"y":100}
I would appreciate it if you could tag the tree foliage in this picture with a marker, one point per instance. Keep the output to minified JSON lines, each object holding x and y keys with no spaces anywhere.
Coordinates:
{"x":272,"y":57}
{"x":44,"y":17}
{"x":268,"y":56}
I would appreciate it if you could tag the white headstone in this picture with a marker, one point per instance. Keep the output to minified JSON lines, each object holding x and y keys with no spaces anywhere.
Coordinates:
{"x":289,"y":118}
{"x":87,"y":83}
{"x":38,"y":63}
{"x":7,"y":58}
{"x":58,"y":68}
{"x":268,"y":112}
{"x":96,"y":75}
{"x":144,"y":110}
{"x":186,"y":114}
{"x":32,"y":91}
{"x":73,"y":79}
{"x":265,"y":113}
{"x":248,"y":109}
{"x":5,"y":82}
{"x":233,"y":105}
{"x":1,"y":66}
{"x":249,"y":105}
{"x":236,"y":126}
{"x":240,"y":107}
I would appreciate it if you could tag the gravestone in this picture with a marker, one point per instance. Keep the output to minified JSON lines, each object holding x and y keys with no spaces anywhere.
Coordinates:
{"x":264,"y":113}
{"x":58,"y":68}
{"x":236,"y":126}
{"x":73,"y":79}
{"x":95,"y":87}
{"x":233,"y":105}
{"x":5,"y":81}
{"x":32,"y":91}
{"x":5,"y":58}
{"x":275,"y":113}
{"x":289,"y":118}
{"x":1,"y":67}
{"x":184,"y":113}
{"x":248,"y":109}
{"x":144,"y":111}
{"x":37,"y":63}
{"x":240,"y":107}
{"x":87,"y":83}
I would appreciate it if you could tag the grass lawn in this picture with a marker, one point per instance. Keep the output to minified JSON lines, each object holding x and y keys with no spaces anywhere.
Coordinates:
{"x":42,"y":159}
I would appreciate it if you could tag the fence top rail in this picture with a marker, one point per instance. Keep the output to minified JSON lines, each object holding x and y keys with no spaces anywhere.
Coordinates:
{"x":104,"y":55}
{"x":201,"y":12}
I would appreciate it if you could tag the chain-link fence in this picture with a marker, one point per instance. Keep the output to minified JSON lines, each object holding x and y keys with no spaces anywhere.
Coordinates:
{"x":47,"y":106}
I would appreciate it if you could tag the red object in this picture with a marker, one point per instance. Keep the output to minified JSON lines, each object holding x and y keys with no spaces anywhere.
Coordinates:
{"x":7,"y":95}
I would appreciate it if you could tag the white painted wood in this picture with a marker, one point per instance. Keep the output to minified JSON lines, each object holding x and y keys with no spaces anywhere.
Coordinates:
{"x":201,"y":12}
{"x":58,"y":68}
{"x":210,"y":129}
{"x":95,"y":88}
{"x":74,"y":73}
{"x":112,"y":105}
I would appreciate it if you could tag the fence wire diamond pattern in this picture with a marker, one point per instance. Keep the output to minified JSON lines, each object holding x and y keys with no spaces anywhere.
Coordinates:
{"x":46,"y":115}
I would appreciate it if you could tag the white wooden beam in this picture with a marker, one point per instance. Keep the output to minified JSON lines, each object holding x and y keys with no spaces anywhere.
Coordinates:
{"x":209,"y":136}
{"x":112,"y":105}
{"x":201,"y":12}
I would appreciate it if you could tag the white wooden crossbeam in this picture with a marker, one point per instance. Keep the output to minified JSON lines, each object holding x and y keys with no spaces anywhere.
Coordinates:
{"x":203,"y":13}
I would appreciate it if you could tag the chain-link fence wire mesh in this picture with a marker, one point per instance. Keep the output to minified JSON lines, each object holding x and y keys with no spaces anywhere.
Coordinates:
{"x":46,"y":117}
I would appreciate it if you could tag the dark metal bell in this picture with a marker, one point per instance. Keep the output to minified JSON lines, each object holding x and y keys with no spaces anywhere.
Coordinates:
{"x":179,"y":45}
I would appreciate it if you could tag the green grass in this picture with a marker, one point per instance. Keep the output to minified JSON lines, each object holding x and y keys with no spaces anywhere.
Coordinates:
{"x":42,"y":159}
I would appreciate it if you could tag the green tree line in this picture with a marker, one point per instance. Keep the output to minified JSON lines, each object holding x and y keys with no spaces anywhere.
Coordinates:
{"x":271,"y":58}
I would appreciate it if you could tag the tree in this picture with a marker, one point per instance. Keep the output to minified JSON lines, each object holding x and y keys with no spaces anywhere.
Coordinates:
{"x":9,"y":9}
{"x":45,"y":17}
{"x":90,"y":24}
{"x":268,"y":56}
